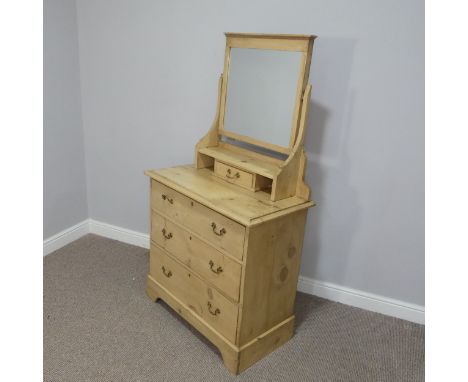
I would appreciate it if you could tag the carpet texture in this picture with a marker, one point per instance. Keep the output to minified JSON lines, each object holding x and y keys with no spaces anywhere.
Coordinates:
{"x":99,"y":325}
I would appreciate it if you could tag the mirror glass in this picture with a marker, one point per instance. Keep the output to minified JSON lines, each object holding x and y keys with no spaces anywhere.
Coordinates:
{"x":261,"y":94}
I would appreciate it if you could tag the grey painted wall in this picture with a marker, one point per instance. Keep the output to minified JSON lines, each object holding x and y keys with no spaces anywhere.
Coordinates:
{"x":149,"y":72}
{"x":64,"y":166}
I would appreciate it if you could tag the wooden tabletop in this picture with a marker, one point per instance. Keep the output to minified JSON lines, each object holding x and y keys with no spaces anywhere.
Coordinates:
{"x":244,"y":206}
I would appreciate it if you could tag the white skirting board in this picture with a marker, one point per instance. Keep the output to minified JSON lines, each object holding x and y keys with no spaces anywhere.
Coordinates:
{"x":118,"y":233}
{"x":338,"y":293}
{"x":363,"y":300}
{"x":65,"y":237}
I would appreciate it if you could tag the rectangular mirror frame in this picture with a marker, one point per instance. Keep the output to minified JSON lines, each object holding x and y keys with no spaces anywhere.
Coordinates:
{"x":282,"y":42}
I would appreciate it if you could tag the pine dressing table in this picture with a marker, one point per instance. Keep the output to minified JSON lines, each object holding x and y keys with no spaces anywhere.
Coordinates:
{"x":227,"y":231}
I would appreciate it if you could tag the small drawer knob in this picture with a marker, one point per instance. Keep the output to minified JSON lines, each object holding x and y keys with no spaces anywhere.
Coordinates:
{"x":217,"y":270}
{"x":165,"y":197}
{"x":167,"y":236}
{"x":214,"y":312}
{"x":166,"y":273}
{"x":221,"y":232}
{"x":230,"y":176}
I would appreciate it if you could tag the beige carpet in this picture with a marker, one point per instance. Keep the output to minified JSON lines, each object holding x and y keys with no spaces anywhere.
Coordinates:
{"x":99,"y":325}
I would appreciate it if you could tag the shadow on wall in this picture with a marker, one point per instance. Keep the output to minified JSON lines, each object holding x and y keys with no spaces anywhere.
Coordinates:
{"x":329,"y":164}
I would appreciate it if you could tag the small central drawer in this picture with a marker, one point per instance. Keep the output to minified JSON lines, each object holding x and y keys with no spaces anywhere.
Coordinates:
{"x":234,"y":175}
{"x":217,"y":229}
{"x":245,"y":179}
{"x":206,"y":302}
{"x":214,"y":267}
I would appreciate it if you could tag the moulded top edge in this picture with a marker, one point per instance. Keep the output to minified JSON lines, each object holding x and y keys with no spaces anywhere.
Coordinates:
{"x":272,"y":35}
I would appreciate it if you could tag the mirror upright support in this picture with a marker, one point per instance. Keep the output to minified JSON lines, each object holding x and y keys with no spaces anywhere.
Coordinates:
{"x":211,"y":138}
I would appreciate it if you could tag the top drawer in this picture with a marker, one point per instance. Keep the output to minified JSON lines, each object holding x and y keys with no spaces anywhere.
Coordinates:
{"x":217,"y":229}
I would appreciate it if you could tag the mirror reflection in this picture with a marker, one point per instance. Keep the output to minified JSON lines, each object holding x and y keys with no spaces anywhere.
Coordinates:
{"x":261,"y":94}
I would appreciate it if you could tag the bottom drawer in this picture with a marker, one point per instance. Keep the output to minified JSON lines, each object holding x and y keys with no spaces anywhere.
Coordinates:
{"x":203,"y":300}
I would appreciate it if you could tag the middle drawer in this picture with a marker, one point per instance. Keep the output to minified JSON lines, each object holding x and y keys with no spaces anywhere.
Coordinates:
{"x":216,"y":268}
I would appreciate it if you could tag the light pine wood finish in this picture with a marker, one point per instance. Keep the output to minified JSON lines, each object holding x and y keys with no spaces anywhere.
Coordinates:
{"x":227,"y":154}
{"x":205,"y":301}
{"x":261,"y":286}
{"x":272,"y":265}
{"x":285,"y":176}
{"x":211,"y":138}
{"x":222,"y":271}
{"x":264,"y":344}
{"x":234,"y":175}
{"x":236,"y":359}
{"x":290,"y":181}
{"x":227,"y":232}
{"x":231,"y":201}
{"x":216,"y":228}
{"x":299,"y":43}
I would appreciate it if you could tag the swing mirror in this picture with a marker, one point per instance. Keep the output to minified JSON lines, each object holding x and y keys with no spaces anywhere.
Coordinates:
{"x":263,"y":83}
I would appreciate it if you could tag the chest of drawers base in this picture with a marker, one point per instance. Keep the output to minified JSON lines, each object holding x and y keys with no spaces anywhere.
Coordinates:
{"x":236,"y":359}
{"x":234,"y":280}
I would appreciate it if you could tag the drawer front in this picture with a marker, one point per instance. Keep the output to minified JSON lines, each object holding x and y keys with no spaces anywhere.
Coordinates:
{"x":217,"y":229}
{"x":214,"y":267}
{"x":203,"y":300}
{"x":234,"y":175}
